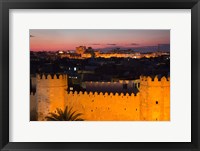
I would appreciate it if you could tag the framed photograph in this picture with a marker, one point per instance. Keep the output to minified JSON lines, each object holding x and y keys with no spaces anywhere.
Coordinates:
{"x":82,"y":75}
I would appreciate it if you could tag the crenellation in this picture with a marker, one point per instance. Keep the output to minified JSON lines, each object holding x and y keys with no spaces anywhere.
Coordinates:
{"x":122,"y":94}
{"x":138,"y":94}
{"x":133,"y":94}
{"x":153,"y":104}
{"x":96,"y":93}
{"x":38,"y":76}
{"x":55,"y":76}
{"x":127,"y":94}
{"x":104,"y":105}
{"x":86,"y":92}
{"x":99,"y":93}
{"x":80,"y":93}
{"x":44,"y":76}
{"x":51,"y":77}
{"x":164,"y":79}
{"x":148,"y":81}
{"x":116,"y":94}
{"x":111,"y":94}
{"x":106,"y":94}
{"x":32,"y":93}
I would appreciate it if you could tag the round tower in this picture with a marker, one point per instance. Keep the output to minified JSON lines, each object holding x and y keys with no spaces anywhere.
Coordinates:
{"x":50,"y":93}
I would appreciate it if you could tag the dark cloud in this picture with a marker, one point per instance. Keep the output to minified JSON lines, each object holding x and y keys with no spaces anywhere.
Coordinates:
{"x":32,"y":36}
{"x":134,"y":44}
{"x":112,"y":44}
{"x":95,"y":44}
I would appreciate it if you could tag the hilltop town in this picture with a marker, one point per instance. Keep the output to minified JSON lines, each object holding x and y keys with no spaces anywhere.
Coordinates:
{"x":114,"y":85}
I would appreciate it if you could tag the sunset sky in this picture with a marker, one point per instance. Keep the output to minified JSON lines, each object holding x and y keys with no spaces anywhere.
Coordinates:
{"x":69,"y":39}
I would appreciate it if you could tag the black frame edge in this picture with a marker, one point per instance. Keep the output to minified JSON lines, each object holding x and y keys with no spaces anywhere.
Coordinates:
{"x":4,"y":76}
{"x":195,"y":67}
{"x":1,"y":85}
{"x":100,"y":4}
{"x":198,"y":103}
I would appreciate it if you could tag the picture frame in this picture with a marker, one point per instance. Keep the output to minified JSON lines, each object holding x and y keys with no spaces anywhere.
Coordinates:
{"x":5,"y":5}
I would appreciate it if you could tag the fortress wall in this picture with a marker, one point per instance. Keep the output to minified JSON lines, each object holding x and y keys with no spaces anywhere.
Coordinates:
{"x":50,"y":94}
{"x":155,"y":98}
{"x":33,"y":82}
{"x":33,"y":107}
{"x":151,"y":103}
{"x":166,"y":100}
{"x":105,"y":107}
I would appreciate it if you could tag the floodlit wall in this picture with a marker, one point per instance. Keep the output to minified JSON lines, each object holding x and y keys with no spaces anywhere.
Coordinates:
{"x":50,"y":93}
{"x":33,"y":107}
{"x":105,"y":107}
{"x":155,"y":98}
{"x":151,"y":103}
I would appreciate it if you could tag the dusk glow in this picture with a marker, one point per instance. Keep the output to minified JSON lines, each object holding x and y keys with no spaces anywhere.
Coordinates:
{"x":69,"y":39}
{"x":99,"y":75}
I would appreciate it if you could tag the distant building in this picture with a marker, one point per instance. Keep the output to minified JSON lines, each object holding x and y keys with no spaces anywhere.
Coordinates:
{"x":80,"y":50}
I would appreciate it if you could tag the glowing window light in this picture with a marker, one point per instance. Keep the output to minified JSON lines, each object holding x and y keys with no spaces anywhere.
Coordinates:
{"x":60,"y":52}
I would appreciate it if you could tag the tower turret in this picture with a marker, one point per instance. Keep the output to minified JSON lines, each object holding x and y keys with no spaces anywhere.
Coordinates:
{"x":154,"y":98}
{"x":50,"y":93}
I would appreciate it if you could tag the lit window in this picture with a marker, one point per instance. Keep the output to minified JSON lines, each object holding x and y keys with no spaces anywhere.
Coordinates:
{"x":74,"y":68}
{"x":71,"y":88}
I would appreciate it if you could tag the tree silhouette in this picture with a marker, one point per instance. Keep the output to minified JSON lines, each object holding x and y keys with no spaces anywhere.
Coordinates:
{"x":66,"y":115}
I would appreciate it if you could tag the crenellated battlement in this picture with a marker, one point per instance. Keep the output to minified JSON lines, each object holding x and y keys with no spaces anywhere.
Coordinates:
{"x":152,"y":102}
{"x":81,"y":93}
{"x":148,"y":78}
{"x":32,"y":93}
{"x":105,"y":106}
{"x":154,"y":81}
{"x":48,"y":81}
{"x":51,"y":76}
